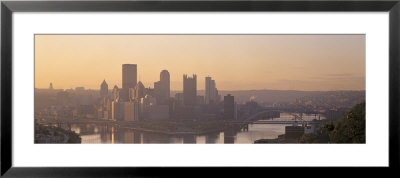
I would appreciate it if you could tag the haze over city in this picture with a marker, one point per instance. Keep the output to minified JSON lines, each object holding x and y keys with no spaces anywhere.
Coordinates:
{"x":236,"y":62}
{"x":222,"y":89}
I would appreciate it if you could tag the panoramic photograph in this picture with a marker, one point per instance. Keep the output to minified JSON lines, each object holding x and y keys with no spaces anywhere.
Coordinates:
{"x":200,"y":89}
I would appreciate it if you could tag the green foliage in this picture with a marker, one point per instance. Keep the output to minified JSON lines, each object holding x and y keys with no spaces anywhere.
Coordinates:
{"x":55,"y":135}
{"x":309,"y":138}
{"x":349,"y":129}
{"x":321,"y":137}
{"x":74,"y":138}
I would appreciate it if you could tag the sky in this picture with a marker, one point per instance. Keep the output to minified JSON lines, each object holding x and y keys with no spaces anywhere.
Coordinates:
{"x":235,"y":62}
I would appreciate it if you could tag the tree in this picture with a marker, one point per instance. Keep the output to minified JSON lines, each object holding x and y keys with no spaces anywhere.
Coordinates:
{"x":351,"y":128}
{"x":309,"y":138}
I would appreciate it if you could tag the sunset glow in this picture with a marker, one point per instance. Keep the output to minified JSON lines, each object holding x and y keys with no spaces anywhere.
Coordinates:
{"x":235,"y":62}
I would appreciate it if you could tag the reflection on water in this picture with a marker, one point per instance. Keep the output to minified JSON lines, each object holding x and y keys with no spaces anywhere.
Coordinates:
{"x":105,"y":133}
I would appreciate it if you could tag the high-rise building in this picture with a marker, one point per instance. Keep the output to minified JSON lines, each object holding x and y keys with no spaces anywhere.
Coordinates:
{"x":179,"y":98}
{"x":103,"y":89}
{"x":129,"y":80}
{"x":211,"y":91}
{"x":129,"y":75}
{"x":158,"y":91}
{"x":139,"y":89}
{"x":162,"y":88}
{"x":131,"y":110}
{"x":189,"y":90}
{"x":217,"y":96}
{"x":117,"y":111}
{"x":51,"y":86}
{"x":132,"y":94}
{"x":115,"y":93}
{"x":124,"y":94}
{"x":165,"y":82}
{"x":207,"y":90}
{"x":107,"y":105}
{"x":146,"y":102}
{"x":229,"y":107}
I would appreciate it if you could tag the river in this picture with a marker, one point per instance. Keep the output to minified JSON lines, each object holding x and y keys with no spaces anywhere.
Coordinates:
{"x":103,"y":133}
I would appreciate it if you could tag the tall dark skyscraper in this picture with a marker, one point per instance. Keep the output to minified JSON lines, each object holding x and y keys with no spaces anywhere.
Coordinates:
{"x":229,"y":107}
{"x":189,"y":90}
{"x":129,"y":80}
{"x":129,"y":76}
{"x":104,"y":89}
{"x":162,"y":88}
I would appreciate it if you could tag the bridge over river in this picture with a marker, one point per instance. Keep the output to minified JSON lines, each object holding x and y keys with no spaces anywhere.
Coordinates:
{"x":264,"y":116}
{"x":261,"y":117}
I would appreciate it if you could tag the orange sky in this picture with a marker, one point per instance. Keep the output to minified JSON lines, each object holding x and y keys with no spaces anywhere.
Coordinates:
{"x":236,"y":62}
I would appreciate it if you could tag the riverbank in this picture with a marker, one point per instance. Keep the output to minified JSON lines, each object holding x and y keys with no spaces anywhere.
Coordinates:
{"x":50,"y":134}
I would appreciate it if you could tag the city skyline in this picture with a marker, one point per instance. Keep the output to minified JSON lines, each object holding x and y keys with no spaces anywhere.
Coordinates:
{"x":319,"y":62}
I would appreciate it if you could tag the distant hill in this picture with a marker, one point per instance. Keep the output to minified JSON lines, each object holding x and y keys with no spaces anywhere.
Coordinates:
{"x":277,"y":95}
{"x":267,"y":96}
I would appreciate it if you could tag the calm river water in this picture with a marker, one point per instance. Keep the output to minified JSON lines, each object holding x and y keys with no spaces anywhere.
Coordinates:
{"x":101,"y":133}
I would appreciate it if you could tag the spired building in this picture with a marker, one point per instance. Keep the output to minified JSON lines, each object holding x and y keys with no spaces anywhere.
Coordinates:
{"x":229,"y":107}
{"x":139,"y":90}
{"x":105,"y":111}
{"x":116,"y":105}
{"x":189,"y":90}
{"x":129,"y":80}
{"x":162,"y":88}
{"x":103,"y":89}
{"x":123,"y":110}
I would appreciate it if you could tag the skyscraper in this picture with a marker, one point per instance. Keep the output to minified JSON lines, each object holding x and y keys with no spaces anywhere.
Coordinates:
{"x":229,"y":107}
{"x":165,"y":81}
{"x":139,"y":89}
{"x":117,"y":109}
{"x":131,"y":110}
{"x":162,"y":88}
{"x":129,"y":80}
{"x":158,"y":91}
{"x":129,"y":76}
{"x":104,"y":89}
{"x":189,"y":90}
{"x":211,"y":91}
{"x":116,"y":93}
{"x":207,"y":94}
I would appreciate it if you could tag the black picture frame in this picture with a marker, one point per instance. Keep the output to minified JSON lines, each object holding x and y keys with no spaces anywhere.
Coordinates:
{"x":8,"y":7}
